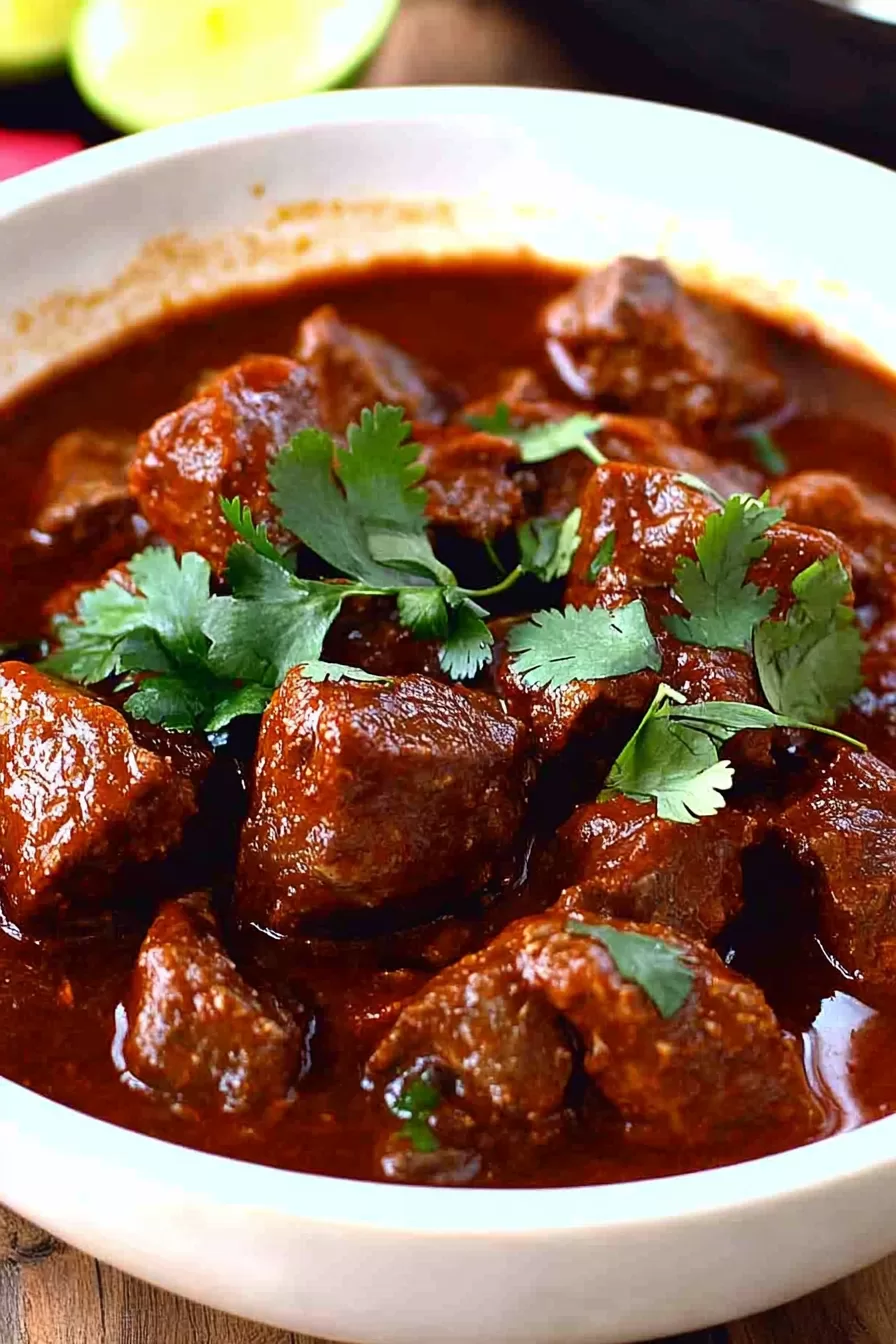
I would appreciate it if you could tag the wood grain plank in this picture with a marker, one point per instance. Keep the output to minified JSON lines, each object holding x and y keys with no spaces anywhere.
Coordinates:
{"x":859,"y":1310}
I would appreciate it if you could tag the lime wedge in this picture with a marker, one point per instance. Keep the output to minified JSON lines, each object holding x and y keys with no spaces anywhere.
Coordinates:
{"x":143,"y":63}
{"x":33,"y":34}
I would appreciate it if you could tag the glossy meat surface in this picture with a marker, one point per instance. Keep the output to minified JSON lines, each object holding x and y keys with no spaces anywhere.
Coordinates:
{"x":620,"y":860}
{"x":367,"y":792}
{"x":221,"y":443}
{"x":468,"y":480}
{"x":353,"y":369}
{"x":630,"y":333}
{"x":80,"y":798}
{"x":197,"y":1031}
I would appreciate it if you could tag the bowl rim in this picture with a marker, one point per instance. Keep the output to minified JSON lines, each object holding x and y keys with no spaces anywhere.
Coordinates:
{"x":332,"y":1201}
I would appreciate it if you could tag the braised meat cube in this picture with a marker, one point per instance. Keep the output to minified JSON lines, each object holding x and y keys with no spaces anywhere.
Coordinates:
{"x":499,"y":1030}
{"x":196,"y":1030}
{"x":80,"y":797}
{"x":620,"y":859}
{"x":872,"y":715}
{"x":630,"y":334}
{"x":82,"y":498}
{"x":353,"y":369}
{"x":368,"y":634}
{"x":468,"y":480}
{"x":867,"y":526}
{"x":842,"y":830}
{"x":368,"y":792}
{"x":718,"y":1065}
{"x":655,"y":519}
{"x":221,"y":443}
{"x":504,"y":1048}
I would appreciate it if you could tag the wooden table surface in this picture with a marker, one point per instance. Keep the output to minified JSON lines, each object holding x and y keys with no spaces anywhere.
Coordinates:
{"x":51,"y":1294}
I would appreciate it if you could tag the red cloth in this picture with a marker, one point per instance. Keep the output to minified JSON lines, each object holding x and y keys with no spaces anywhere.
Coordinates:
{"x":20,"y":150}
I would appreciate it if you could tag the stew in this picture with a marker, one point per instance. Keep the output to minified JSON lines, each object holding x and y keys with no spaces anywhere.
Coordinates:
{"x":448,"y":730}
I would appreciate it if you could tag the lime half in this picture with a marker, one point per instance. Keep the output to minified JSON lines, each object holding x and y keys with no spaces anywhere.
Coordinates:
{"x":33,"y":34}
{"x":143,"y":63}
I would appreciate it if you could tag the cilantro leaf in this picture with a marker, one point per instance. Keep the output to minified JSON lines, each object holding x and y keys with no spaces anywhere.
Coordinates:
{"x":554,"y":648}
{"x":540,"y":443}
{"x":416,"y":1104}
{"x":255,"y":535}
{"x":468,"y":643}
{"x":604,"y":556}
{"x":318,"y":671}
{"x":766,"y":453}
{"x":650,"y":963}
{"x":424,"y":612}
{"x":380,"y":471}
{"x":724,"y":608}
{"x":810,"y":663}
{"x":547,"y":545}
{"x":672,"y":757}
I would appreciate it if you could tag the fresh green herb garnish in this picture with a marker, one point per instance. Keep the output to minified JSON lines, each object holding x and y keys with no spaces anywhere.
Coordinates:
{"x":697,"y":483}
{"x":656,"y":967}
{"x":415,"y":1105}
{"x":554,"y":648}
{"x":810,"y":663}
{"x":605,"y":552}
{"x":203,"y":659}
{"x":672,"y":758}
{"x":547,"y":545}
{"x":540,"y":443}
{"x":766,"y":453}
{"x":724,"y":608}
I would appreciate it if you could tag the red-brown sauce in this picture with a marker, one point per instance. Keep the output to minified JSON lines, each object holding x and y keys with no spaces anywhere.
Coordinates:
{"x":60,"y":1000}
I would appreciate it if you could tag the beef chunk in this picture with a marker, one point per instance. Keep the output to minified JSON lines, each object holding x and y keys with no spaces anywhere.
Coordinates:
{"x":620,"y":859}
{"x":354,"y":369}
{"x":221,"y":443}
{"x":866,"y":524}
{"x":496,"y":1029}
{"x":720,"y":1064}
{"x":843,"y":831}
{"x":872,"y":715}
{"x":83,"y":500}
{"x":80,"y":797}
{"x":197,"y":1031}
{"x":368,"y":792}
{"x":630,"y":334}
{"x":505,"y":1047}
{"x":368,"y":634}
{"x":468,"y":481}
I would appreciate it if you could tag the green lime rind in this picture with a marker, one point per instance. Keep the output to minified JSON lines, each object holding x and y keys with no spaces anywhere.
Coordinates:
{"x":147,"y":63}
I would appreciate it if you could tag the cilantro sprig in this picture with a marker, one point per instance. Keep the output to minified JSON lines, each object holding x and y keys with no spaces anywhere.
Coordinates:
{"x":673,"y":759}
{"x":724,"y":608}
{"x":810,"y":663}
{"x":194,"y":658}
{"x":658,"y":968}
{"x":540,"y":443}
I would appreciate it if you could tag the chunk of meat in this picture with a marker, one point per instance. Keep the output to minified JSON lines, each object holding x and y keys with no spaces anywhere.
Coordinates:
{"x":82,"y":498}
{"x":720,"y":1064}
{"x":504,"y":1047}
{"x":865,"y":523}
{"x":872,"y":715}
{"x":221,"y":443}
{"x":368,"y":634}
{"x":196,"y":1030}
{"x":468,"y":480}
{"x":80,"y":797}
{"x":495,"y":1030}
{"x":368,"y":792}
{"x":630,"y":334}
{"x":354,"y":369}
{"x":619,"y":859}
{"x":843,"y":831}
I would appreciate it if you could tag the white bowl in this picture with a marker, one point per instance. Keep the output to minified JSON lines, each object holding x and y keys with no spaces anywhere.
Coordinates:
{"x":789,"y":226}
